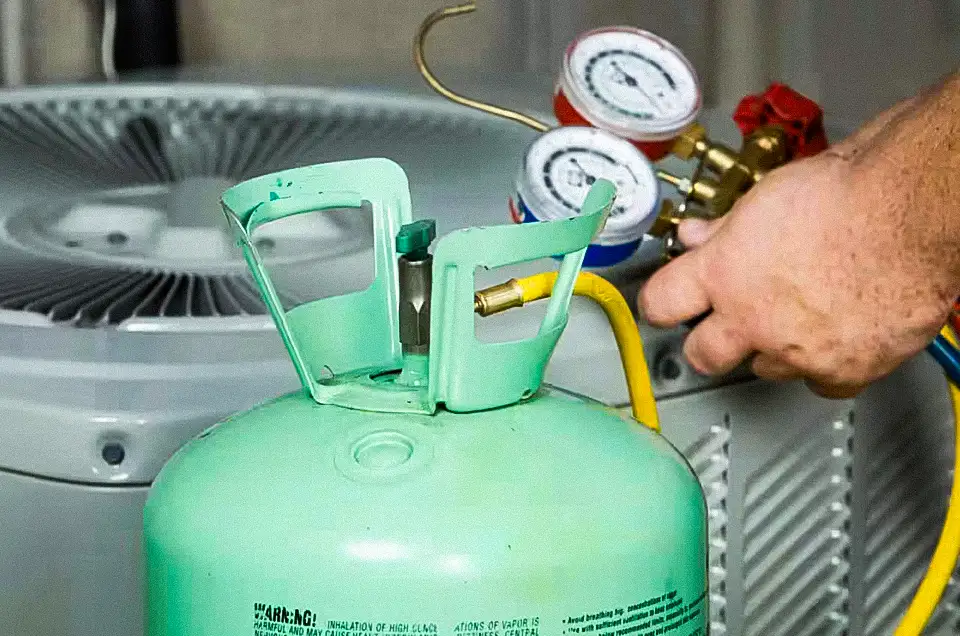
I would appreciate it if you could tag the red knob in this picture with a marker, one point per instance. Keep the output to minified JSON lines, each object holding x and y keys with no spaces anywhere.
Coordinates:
{"x":800,"y":117}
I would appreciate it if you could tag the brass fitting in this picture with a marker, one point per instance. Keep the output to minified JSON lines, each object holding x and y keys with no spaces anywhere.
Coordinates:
{"x":734,"y":172}
{"x":692,"y":143}
{"x":763,"y":150}
{"x":704,"y":190}
{"x":663,"y":226}
{"x":722,"y":175}
{"x":667,"y":228}
{"x":666,"y":222}
{"x":502,"y":297}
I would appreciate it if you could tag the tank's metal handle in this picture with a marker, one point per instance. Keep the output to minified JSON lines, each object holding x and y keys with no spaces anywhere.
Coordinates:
{"x":469,"y":375}
{"x":269,"y":211}
{"x":326,"y":334}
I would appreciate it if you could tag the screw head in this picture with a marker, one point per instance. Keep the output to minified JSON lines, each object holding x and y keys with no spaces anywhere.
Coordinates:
{"x":671,"y":369}
{"x":113,"y":453}
{"x":117,"y":238}
{"x":668,"y":366}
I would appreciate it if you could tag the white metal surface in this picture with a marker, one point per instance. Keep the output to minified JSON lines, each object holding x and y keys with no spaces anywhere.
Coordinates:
{"x":69,"y":558}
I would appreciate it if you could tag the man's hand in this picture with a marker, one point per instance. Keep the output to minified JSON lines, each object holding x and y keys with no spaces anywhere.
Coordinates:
{"x":833,"y":269}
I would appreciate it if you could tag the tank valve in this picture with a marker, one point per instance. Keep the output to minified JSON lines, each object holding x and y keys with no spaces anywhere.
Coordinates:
{"x":416,"y":284}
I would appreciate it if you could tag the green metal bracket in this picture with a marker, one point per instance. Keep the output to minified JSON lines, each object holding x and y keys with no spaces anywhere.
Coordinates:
{"x":469,"y":375}
{"x":345,"y":333}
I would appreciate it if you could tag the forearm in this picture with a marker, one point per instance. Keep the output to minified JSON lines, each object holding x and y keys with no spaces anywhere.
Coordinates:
{"x":907,"y":174}
{"x":922,"y":134}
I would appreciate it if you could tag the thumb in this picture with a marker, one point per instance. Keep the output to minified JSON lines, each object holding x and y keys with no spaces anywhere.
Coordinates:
{"x":674,"y":293}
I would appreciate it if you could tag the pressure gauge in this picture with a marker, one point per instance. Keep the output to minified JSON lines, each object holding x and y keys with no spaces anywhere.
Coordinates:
{"x":631,"y":83}
{"x":558,"y":170}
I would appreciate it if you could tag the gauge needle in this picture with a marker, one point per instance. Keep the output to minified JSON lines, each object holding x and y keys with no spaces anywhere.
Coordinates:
{"x":589,"y":177}
{"x":628,"y":79}
{"x":631,"y":81}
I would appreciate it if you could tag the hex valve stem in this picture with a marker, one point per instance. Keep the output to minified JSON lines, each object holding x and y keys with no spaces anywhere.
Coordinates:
{"x":415,"y":269}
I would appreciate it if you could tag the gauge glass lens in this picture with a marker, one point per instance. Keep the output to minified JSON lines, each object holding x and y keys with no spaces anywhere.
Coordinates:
{"x":634,"y":78}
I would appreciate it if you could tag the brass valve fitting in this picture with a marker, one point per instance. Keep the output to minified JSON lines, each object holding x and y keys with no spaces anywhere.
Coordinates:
{"x":733,"y":173}
{"x":502,"y":297}
{"x":693,"y":143}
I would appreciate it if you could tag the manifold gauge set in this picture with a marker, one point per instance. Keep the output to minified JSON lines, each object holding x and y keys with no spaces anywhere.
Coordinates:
{"x":624,"y":99}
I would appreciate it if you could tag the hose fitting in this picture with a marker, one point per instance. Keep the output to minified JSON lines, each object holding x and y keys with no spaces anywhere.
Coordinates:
{"x":502,"y":297}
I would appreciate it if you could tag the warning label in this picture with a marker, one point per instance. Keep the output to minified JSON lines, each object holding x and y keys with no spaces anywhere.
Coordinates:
{"x":276,"y":620}
{"x":524,"y":626}
{"x":664,"y":614}
{"x":368,"y":628}
{"x":269,"y":620}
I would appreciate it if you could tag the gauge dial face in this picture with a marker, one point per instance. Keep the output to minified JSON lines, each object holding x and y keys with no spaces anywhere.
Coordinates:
{"x":633,"y":79}
{"x":563,"y":164}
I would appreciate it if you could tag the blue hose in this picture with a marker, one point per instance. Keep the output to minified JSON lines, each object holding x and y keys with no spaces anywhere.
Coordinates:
{"x":947,"y":356}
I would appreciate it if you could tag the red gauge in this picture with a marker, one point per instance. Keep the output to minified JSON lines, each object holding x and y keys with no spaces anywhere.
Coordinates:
{"x":631,"y":83}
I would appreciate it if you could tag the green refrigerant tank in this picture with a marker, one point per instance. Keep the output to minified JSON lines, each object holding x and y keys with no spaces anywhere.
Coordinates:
{"x":422,"y":482}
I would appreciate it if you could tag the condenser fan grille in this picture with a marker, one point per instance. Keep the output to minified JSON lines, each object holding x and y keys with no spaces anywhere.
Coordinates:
{"x":119,"y":142}
{"x":99,"y":255}
{"x":91,"y":297}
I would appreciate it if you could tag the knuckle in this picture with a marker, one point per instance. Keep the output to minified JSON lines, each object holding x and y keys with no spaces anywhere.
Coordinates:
{"x":835,"y":391}
{"x":710,"y":351}
{"x":795,"y":355}
{"x":770,"y":368}
{"x":820,"y":389}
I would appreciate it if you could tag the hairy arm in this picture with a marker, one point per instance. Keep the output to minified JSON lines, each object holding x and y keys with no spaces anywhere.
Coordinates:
{"x":836,"y":268}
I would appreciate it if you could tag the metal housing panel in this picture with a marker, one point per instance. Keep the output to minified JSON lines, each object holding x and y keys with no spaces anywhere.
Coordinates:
{"x":823,"y":514}
{"x":69,"y":558}
{"x":905,"y":457}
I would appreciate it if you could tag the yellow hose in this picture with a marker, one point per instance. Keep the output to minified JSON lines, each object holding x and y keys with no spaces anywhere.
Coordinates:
{"x":630,"y":345}
{"x":516,"y":293}
{"x":945,"y":556}
{"x":625,"y":331}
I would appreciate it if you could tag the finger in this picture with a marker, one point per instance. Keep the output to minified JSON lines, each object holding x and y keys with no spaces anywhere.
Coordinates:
{"x":834,"y":391}
{"x":716,"y":346}
{"x":695,"y":232}
{"x":771,"y":368}
{"x":674,"y":293}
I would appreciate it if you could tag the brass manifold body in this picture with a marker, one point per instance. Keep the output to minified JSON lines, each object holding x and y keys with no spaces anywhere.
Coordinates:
{"x":722,"y":175}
